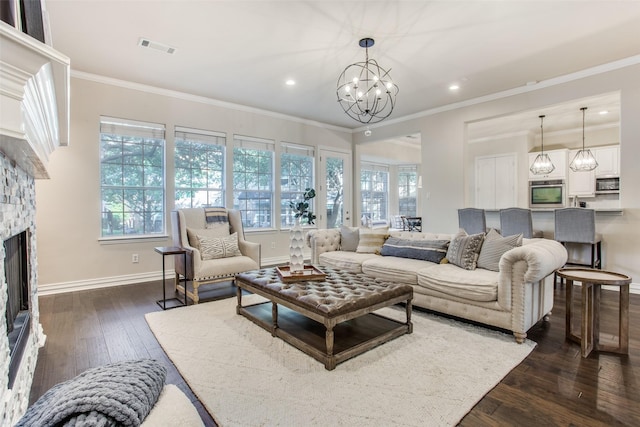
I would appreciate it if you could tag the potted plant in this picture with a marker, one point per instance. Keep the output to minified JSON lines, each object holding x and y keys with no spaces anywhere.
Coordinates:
{"x":301,"y":208}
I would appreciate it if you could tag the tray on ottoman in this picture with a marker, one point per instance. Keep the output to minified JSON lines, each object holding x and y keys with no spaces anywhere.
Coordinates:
{"x":309,"y":272}
{"x":331,"y":320}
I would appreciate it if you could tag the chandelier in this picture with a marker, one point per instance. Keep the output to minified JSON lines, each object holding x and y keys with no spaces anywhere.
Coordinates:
{"x":542,"y":164}
{"x":365,"y":89}
{"x":583,"y":160}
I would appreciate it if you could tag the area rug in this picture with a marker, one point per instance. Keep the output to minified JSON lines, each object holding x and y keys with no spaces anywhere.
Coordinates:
{"x":245,"y":377}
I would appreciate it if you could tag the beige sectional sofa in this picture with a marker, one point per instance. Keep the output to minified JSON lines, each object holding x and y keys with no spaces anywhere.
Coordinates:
{"x":514,"y":298}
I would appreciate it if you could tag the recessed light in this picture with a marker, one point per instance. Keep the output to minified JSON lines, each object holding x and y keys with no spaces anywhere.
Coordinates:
{"x":290,"y":82}
{"x":454,"y":87}
{"x":603,"y":112}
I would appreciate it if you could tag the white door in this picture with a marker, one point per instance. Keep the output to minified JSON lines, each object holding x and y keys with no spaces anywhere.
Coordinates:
{"x":334,"y":203}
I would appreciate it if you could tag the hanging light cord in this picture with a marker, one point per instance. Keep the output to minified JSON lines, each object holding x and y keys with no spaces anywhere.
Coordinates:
{"x":583,"y":113}
{"x":541,"y":134}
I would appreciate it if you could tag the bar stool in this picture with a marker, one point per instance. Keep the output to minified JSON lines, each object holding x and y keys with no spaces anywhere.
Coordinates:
{"x":472,"y":220}
{"x":516,"y":221}
{"x":578,"y":225}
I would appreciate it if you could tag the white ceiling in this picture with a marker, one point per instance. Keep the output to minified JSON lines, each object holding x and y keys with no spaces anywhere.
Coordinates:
{"x":243,"y":51}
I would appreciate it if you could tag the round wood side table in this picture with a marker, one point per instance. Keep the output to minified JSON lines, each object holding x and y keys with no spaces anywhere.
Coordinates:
{"x":592,"y":281}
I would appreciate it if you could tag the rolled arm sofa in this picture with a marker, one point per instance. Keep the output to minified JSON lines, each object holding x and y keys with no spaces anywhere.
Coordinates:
{"x":514,"y":298}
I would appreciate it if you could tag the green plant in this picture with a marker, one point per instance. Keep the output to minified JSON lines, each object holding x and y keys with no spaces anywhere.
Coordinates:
{"x":301,"y":208}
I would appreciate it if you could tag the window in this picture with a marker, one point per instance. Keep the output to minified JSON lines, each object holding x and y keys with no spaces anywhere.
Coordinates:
{"x":253,"y":180}
{"x":407,"y":190}
{"x":199,"y":168}
{"x":296,"y":174}
{"x":131,"y":177}
{"x":374,"y":185}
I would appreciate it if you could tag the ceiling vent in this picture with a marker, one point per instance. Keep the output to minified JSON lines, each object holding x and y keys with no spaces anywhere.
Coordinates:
{"x":155,"y":45}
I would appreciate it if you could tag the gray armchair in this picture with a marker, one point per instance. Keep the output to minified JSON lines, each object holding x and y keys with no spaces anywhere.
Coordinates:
{"x":516,"y":221}
{"x":472,"y":220}
{"x":186,"y":222}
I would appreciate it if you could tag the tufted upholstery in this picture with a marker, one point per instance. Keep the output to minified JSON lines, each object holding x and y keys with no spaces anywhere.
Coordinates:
{"x":340,"y":293}
{"x":515,"y":298}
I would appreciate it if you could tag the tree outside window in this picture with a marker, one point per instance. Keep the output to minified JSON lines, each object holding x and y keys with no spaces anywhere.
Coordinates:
{"x":131,"y":177}
{"x":374,"y":189}
{"x":253,"y":177}
{"x":296,"y":174}
{"x":199,"y":168}
{"x":407,"y":190}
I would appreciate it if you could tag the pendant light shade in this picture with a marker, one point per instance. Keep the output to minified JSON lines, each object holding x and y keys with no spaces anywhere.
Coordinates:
{"x":584,"y":161}
{"x":542,"y":165}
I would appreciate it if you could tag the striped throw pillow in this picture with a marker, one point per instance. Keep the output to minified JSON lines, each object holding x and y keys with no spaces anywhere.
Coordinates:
{"x":371,"y":240}
{"x":494,"y":247}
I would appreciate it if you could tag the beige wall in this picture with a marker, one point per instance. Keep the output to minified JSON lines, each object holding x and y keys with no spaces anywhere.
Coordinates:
{"x":68,"y":204}
{"x":447,"y":172}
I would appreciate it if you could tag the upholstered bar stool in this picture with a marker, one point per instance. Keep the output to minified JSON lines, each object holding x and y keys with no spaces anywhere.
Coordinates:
{"x":578,"y":225}
{"x":472,"y":220}
{"x":516,"y":221}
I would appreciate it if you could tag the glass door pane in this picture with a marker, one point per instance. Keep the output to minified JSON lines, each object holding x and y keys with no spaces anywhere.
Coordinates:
{"x":335,"y":167}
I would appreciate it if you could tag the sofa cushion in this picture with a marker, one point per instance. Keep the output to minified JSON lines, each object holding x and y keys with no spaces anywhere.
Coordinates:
{"x":349,"y":238}
{"x":371,"y":240}
{"x":394,"y":269}
{"x":426,"y":250}
{"x":348,"y":261}
{"x":218,"y":247}
{"x":494,"y":246}
{"x":464,"y":250}
{"x":477,"y":285}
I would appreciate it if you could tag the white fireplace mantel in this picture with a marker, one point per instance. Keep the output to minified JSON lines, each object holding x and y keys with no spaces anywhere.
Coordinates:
{"x":34,"y":100}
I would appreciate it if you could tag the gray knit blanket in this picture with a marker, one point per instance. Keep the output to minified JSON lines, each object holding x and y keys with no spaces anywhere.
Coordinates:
{"x":119,"y":394}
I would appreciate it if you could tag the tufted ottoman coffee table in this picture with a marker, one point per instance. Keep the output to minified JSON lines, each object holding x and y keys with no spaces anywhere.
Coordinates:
{"x":331,"y":320}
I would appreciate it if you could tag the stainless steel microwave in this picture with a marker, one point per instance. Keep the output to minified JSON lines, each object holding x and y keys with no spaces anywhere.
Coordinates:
{"x":547,"y":194}
{"x":607,"y":185}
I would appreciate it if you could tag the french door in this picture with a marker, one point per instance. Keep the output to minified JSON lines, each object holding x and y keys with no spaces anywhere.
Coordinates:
{"x":335,"y":201}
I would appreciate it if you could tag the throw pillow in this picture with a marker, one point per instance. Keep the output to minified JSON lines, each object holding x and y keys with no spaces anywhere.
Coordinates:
{"x":193,"y":233}
{"x":219,"y":247}
{"x":425,"y":250}
{"x":349,"y":238}
{"x":494,"y":247}
{"x":464,"y":250}
{"x":371,"y":240}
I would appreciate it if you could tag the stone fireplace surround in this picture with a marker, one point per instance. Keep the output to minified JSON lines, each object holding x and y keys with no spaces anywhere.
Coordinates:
{"x":34,"y":101}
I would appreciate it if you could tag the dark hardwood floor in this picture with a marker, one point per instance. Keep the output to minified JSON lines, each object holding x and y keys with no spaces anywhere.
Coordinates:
{"x":553,"y":386}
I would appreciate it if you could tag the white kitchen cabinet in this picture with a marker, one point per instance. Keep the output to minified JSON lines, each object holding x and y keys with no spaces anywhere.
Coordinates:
{"x":496,"y":179}
{"x":608,"y":159}
{"x":559,"y":160}
{"x":581,"y":184}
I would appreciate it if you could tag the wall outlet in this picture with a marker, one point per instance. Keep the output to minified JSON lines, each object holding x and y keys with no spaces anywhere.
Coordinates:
{"x":273,"y":245}
{"x":134,"y":258}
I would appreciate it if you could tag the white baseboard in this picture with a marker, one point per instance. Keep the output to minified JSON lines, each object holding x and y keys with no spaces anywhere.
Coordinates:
{"x":128,"y":279}
{"x":102,"y":282}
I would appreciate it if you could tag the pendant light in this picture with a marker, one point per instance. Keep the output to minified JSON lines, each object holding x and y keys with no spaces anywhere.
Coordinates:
{"x":542,"y":164}
{"x":365,"y":90}
{"x":583,"y":160}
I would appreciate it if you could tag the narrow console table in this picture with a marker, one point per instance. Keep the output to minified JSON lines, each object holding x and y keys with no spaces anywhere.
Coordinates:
{"x":592,"y":280}
{"x":175,"y":301}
